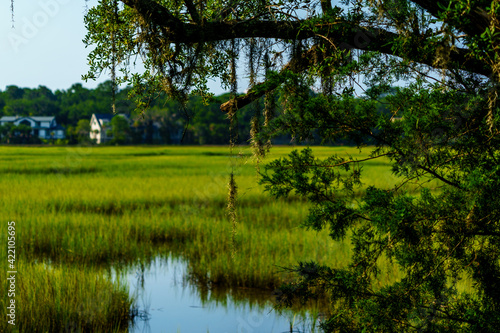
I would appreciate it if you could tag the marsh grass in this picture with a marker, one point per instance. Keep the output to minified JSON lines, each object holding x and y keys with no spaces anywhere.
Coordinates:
{"x":51,"y":298}
{"x":84,"y":209}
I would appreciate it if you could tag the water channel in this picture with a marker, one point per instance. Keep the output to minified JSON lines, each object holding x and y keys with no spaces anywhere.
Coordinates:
{"x":168,"y":302}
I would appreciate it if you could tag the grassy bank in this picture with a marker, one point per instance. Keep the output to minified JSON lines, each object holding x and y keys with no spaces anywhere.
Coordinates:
{"x":64,"y":299}
{"x":85,"y":209}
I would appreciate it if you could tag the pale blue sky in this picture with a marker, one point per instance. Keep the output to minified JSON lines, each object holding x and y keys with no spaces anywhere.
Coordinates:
{"x":45,"y":46}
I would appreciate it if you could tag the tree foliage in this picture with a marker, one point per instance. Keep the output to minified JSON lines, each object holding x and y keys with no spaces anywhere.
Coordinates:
{"x":442,"y":124}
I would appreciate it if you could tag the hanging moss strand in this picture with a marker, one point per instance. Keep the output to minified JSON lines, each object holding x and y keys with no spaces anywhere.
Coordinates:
{"x":113,"y":54}
{"x":269,"y":103}
{"x":233,"y":133}
{"x":231,"y":210}
{"x":12,"y":12}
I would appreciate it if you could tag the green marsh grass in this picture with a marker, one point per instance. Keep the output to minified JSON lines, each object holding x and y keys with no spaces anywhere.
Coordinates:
{"x":87,"y":208}
{"x":51,"y":298}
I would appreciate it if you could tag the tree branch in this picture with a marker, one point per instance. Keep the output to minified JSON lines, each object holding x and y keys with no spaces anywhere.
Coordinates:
{"x":192,"y":11}
{"x":438,"y":176}
{"x":326,"y":6}
{"x":478,"y":17}
{"x":341,"y":32}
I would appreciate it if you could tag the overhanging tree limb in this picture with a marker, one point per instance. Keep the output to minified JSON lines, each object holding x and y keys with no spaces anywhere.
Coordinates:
{"x":192,"y":11}
{"x":341,"y":32}
{"x":478,"y":17}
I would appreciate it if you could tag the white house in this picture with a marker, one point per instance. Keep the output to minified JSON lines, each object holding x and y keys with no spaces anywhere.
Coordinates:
{"x":100,"y":127}
{"x":42,"y":127}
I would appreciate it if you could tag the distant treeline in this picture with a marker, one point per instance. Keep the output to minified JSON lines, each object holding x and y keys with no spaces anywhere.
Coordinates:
{"x":199,"y":123}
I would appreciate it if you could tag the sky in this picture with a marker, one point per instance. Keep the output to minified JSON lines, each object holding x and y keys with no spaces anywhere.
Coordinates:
{"x":43,"y":46}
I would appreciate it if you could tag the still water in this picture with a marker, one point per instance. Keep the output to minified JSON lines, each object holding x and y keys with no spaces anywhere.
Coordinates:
{"x":168,"y":302}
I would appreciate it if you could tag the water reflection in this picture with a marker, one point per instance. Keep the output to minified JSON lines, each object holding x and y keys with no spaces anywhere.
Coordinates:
{"x":168,"y":303}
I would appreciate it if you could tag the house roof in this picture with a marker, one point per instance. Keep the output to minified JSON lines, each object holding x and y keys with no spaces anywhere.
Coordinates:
{"x":35,"y":118}
{"x":8,"y":118}
{"x":103,"y":116}
{"x":43,"y":118}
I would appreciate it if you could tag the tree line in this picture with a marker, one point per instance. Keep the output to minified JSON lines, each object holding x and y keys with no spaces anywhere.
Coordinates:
{"x":195,"y":122}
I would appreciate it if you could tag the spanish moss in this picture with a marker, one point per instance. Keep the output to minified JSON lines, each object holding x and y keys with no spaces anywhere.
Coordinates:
{"x":269,"y":102}
{"x":231,"y":210}
{"x":251,"y":62}
{"x":12,"y":12}
{"x":114,"y":22}
{"x":233,"y":127}
{"x":233,"y":133}
{"x":256,"y":144}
